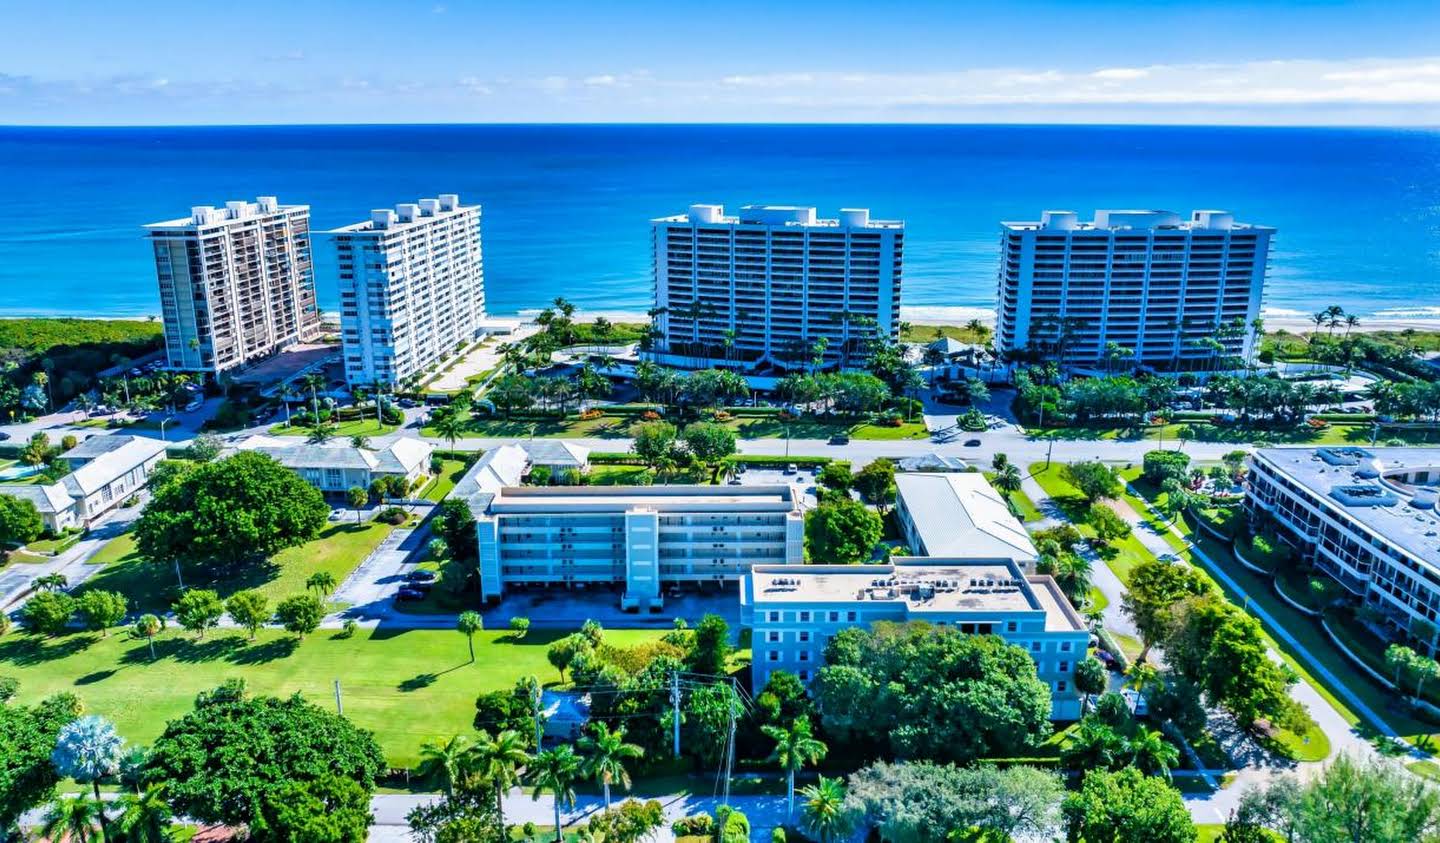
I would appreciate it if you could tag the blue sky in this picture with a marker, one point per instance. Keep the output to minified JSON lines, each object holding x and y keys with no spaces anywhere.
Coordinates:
{"x":1207,"y":61}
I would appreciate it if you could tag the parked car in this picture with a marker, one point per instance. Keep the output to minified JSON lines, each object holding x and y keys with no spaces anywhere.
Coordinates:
{"x":422,"y":587}
{"x":791,"y":468}
{"x":1108,"y":660}
{"x":734,"y":481}
{"x":972,"y":443}
{"x":410,"y":594}
{"x":420,"y":575}
{"x":840,"y":439}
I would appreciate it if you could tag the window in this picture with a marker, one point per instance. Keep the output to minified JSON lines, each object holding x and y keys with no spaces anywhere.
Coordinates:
{"x":774,"y":655}
{"x":834,"y":617}
{"x":774,"y":617}
{"x":804,"y":655}
{"x":850,"y":616}
{"x":804,"y":676}
{"x":805,"y":636}
{"x":1064,"y":667}
{"x":804,"y":617}
{"x":1064,"y":646}
{"x":1061,"y":686}
{"x":1010,"y":627}
{"x":772,"y":636}
{"x":1034,"y":646}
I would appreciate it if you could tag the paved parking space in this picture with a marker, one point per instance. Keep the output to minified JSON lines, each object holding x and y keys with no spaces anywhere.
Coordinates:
{"x":559,"y":608}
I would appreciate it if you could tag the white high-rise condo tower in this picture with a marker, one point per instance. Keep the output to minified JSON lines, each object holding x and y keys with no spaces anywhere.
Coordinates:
{"x":775,"y":285}
{"x":412,"y":288}
{"x":1132,"y":288}
{"x":236,"y":283}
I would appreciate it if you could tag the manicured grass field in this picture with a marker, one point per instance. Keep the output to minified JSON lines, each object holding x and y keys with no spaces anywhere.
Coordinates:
{"x":406,"y":685}
{"x":344,"y":429}
{"x":571,"y":427}
{"x":1240,"y":434}
{"x":338,"y":549}
{"x":1121,"y":556}
{"x":450,"y":473}
{"x":926,"y":334}
{"x":746,"y":427}
{"x":814,"y":428}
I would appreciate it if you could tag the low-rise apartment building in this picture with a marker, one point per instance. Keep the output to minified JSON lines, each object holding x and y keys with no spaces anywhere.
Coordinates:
{"x":642,"y":539}
{"x":1365,"y":516}
{"x":412,"y":289}
{"x":793,"y":611}
{"x":105,"y":471}
{"x":337,"y":468}
{"x":773,"y":284}
{"x":236,"y":283}
{"x":1131,"y":288}
{"x":959,"y":514}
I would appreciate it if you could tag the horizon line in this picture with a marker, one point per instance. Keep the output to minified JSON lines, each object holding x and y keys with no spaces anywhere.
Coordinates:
{"x":733,"y":123}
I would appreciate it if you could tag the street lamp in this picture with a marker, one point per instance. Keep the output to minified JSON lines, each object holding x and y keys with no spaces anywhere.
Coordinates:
{"x":164,"y":422}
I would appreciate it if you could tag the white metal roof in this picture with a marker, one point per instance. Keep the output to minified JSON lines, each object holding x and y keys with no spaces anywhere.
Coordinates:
{"x":960,"y":515}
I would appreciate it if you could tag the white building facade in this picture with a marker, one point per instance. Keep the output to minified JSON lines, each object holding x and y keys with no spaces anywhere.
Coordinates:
{"x":1132,"y":288}
{"x":237,"y":283}
{"x":412,"y":289}
{"x":106,"y":470}
{"x":770,"y":284}
{"x":339,"y":467}
{"x":639,"y":538}
{"x":1365,"y":516}
{"x":794,"y":611}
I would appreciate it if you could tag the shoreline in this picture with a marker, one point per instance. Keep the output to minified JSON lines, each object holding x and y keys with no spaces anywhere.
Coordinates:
{"x":1421,"y":319}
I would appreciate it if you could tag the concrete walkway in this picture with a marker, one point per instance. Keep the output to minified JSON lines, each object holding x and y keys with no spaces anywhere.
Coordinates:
{"x":17,"y":579}
{"x":1101,"y":576}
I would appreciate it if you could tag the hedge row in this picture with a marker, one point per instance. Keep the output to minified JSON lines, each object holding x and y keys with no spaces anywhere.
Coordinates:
{"x":625,"y":458}
{"x":1356,"y":418}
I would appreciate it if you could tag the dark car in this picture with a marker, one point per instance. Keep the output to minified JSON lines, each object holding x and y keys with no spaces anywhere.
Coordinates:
{"x":972,"y":443}
{"x":1108,"y":660}
{"x":4,"y":436}
{"x":410,"y":594}
{"x":420,"y":575}
{"x":422,"y":587}
{"x":840,"y":439}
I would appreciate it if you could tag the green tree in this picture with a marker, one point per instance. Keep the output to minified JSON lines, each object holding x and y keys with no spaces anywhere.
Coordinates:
{"x":1008,"y":478}
{"x":148,"y":626}
{"x":794,"y":748}
{"x":710,"y":649}
{"x":924,"y":802}
{"x":48,"y":612}
{"x":218,"y":762}
{"x":230,"y":513}
{"x":519,"y":627}
{"x":835,"y":475}
{"x":449,"y":426}
{"x":198,"y":609}
{"x":1156,"y":586}
{"x":145,"y":817}
{"x":300,"y":614}
{"x":841,"y":532}
{"x":467,"y":624}
{"x":101,"y":609}
{"x":827,"y":817}
{"x":1090,"y":679}
{"x":876,"y":482}
{"x":562,"y":653}
{"x":444,"y":762}
{"x":1166,"y":465}
{"x":323,"y":582}
{"x":74,"y":818}
{"x":1094,"y":479}
{"x":555,"y":771}
{"x":357,"y":497}
{"x":87,"y":750}
{"x":1107,"y":523}
{"x":499,"y":760}
{"x":605,"y":752}
{"x":20,"y":521}
{"x":249,"y":609}
{"x":1153,"y":754}
{"x":709,"y":442}
{"x":1127,"y":805}
{"x":27,"y":737}
{"x":326,"y":809}
{"x":455,"y":523}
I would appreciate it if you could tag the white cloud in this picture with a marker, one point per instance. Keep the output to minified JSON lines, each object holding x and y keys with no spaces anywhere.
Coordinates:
{"x":476,"y":86}
{"x":603,"y":81}
{"x":1121,"y":73}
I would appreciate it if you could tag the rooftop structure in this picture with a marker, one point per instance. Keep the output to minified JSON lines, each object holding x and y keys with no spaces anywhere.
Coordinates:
{"x":557,"y":455}
{"x":959,"y":514}
{"x":236,"y":283}
{"x":106,"y":471}
{"x":794,"y":611}
{"x":1132,"y":288}
{"x":1365,"y":516}
{"x":337,"y":468}
{"x":412,"y":289}
{"x":771,"y":284}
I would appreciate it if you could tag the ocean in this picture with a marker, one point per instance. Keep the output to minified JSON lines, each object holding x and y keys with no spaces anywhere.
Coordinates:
{"x":566,"y":207}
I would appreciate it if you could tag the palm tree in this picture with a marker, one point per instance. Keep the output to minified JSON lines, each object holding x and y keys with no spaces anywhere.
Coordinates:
{"x":147,"y":627}
{"x":360,"y":440}
{"x":145,"y":817}
{"x":1351,"y":323}
{"x":287,"y":394}
{"x":445,"y":762}
{"x":1153,"y":754}
{"x":314,"y":382}
{"x":467,"y":624}
{"x":605,"y":755}
{"x":321,"y":432}
{"x":321,"y":581}
{"x":555,"y":770}
{"x":826,"y":816}
{"x":74,"y":817}
{"x":794,"y":748}
{"x":499,"y":761}
{"x":450,"y":426}
{"x":1008,"y":478}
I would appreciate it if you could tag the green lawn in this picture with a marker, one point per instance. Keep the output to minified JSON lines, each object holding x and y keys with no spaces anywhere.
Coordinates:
{"x":439,"y":486}
{"x":816,"y":428}
{"x":1121,"y":556}
{"x":345,"y":429}
{"x":1240,"y":434}
{"x":338,"y":549}
{"x":570,"y":427}
{"x":406,"y":685}
{"x":927,"y":334}
{"x":1021,"y":501}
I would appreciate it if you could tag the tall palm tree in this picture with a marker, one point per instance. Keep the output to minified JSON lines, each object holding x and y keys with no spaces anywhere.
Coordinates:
{"x":1351,"y":323}
{"x":360,"y":441}
{"x":445,"y":761}
{"x":605,"y":755}
{"x":74,"y":817}
{"x":556,"y":770}
{"x":499,"y":760}
{"x":794,"y":748}
{"x":321,"y":432}
{"x":1153,"y":754}
{"x":145,"y":817}
{"x":314,"y":382}
{"x":1008,"y":478}
{"x":826,"y":816}
{"x":449,"y":425}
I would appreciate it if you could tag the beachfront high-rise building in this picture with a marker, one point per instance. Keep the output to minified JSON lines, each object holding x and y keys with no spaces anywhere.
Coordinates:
{"x":1132,"y":288}
{"x":236,"y":283}
{"x":412,"y":288}
{"x":774,"y":284}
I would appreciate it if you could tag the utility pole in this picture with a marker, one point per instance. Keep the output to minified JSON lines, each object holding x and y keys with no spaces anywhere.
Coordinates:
{"x":1048,"y":449}
{"x":730,"y":742}
{"x":675,"y":709}
{"x":339,"y":707}
{"x":539,"y":716}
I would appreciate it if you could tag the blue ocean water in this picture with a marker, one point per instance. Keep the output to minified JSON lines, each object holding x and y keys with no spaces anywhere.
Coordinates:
{"x":566,"y":207}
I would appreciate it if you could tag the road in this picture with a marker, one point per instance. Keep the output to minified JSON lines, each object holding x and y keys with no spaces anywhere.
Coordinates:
{"x":17,"y":579}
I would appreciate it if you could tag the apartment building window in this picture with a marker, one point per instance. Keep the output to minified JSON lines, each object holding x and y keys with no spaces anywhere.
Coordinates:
{"x":1010,"y":627}
{"x":804,"y":655}
{"x":804,"y":676}
{"x":774,"y":617}
{"x":805,"y":636}
{"x":1064,"y":667}
{"x":773,"y":655}
{"x":1064,"y":646}
{"x":1034,"y":646}
{"x":834,"y":617}
{"x":772,"y":636}
{"x":1061,"y":686}
{"x":804,"y":617}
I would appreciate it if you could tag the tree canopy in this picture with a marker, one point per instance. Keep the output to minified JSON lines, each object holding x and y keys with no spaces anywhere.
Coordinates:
{"x":27,"y":737}
{"x":923,"y":802}
{"x":231,"y":512}
{"x":19,"y":521}
{"x":841,"y":532}
{"x":924,"y":692}
{"x":235,"y":752}
{"x":1128,"y":805}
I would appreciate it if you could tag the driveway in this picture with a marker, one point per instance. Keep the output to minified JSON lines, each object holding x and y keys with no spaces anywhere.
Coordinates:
{"x":370,"y":589}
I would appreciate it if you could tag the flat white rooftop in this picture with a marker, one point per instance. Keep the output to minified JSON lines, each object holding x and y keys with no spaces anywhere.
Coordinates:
{"x":1135,"y":220}
{"x":518,"y":499}
{"x":406,"y":215}
{"x":237,"y":210}
{"x":799,"y":216}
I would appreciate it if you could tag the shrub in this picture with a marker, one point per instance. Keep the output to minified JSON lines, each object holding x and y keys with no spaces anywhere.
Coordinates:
{"x":777,"y":835}
{"x":48,"y":612}
{"x":1163,"y":465}
{"x":392,"y":515}
{"x":348,"y":629}
{"x":650,"y":415}
{"x":591,"y":414}
{"x":520,"y":626}
{"x":695,"y":825}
